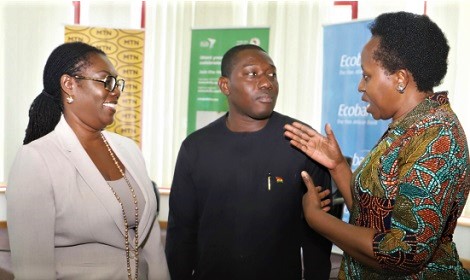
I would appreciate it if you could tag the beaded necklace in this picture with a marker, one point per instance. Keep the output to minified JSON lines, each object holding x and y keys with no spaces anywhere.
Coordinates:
{"x":126,"y":225}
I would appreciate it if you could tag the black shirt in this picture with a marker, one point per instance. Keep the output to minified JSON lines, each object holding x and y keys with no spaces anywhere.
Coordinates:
{"x":236,"y":207}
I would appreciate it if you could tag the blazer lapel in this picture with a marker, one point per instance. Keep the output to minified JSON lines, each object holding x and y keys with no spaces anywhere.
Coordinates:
{"x":88,"y":171}
{"x":139,"y":173}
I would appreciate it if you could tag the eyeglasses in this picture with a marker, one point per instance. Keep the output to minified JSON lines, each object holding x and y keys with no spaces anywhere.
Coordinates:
{"x":110,"y":82}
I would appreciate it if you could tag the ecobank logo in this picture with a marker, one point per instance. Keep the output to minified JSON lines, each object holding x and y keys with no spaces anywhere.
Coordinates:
{"x":208,"y":43}
{"x":350,"y":64}
{"x":356,"y":110}
{"x":355,"y":114}
{"x":358,"y":157}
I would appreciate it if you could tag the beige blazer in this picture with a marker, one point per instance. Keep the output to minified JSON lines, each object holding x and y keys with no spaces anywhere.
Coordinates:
{"x":65,"y":223}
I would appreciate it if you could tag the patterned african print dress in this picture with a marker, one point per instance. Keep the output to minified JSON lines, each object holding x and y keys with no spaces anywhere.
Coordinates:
{"x":411,"y":189}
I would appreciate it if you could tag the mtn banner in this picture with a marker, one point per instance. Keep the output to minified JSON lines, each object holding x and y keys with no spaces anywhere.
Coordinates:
{"x":206,"y":102}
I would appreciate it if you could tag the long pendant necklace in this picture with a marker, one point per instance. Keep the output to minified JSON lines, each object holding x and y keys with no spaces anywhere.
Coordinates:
{"x":126,"y":225}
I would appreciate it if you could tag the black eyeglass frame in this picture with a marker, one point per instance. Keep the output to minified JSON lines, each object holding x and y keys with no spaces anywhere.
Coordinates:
{"x":117,"y":82}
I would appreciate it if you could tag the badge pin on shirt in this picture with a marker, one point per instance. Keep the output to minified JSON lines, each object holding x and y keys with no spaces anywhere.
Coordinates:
{"x":279,"y":180}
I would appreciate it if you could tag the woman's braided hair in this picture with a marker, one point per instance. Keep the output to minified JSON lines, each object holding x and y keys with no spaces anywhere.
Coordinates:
{"x":47,"y":107}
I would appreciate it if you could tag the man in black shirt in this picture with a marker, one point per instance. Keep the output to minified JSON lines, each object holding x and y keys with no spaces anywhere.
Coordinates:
{"x":236,"y":196}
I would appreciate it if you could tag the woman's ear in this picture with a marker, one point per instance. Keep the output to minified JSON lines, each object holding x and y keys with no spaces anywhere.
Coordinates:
{"x":224,"y":85}
{"x":403,"y":77}
{"x":66,"y":83}
{"x":402,"y":80}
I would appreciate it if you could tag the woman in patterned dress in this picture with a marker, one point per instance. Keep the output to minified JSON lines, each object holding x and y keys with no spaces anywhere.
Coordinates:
{"x":408,"y":192}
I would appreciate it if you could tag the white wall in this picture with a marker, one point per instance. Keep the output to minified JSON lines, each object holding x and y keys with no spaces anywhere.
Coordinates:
{"x":3,"y":206}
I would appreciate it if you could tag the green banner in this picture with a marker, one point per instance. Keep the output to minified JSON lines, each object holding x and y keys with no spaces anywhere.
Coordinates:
{"x":206,"y":101}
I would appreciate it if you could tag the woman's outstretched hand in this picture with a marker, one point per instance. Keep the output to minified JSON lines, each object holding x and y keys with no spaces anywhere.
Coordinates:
{"x":314,"y":199}
{"x":323,"y":149}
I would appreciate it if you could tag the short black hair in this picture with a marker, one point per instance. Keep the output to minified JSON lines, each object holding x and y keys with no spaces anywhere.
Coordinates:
{"x":413,"y":42}
{"x":46,"y":109}
{"x":228,"y":60}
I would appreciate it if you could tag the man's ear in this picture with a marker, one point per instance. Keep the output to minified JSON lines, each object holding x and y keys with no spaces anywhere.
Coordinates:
{"x":224,"y":85}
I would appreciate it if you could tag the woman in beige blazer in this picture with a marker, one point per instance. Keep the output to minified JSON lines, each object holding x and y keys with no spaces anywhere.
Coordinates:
{"x":78,"y":194}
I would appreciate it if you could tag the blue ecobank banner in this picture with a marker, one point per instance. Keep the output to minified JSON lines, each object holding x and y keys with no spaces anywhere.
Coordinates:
{"x":357,"y":132}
